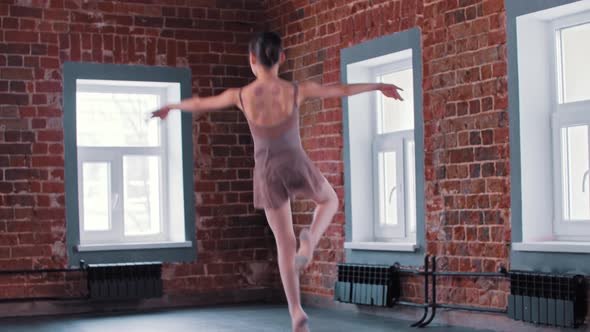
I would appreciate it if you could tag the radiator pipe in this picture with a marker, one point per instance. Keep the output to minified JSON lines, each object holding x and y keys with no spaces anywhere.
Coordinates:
{"x":411,"y":304}
{"x":458,"y":274}
{"x":433,"y":305}
{"x":452,"y":306}
{"x":81,"y":268}
{"x":426,"y":262}
{"x":470,"y":308}
{"x":410,"y":271}
{"x":29,"y":299}
{"x":6,"y":272}
{"x":471,"y":274}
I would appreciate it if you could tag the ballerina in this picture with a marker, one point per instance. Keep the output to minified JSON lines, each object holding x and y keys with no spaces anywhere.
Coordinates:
{"x":282,"y":170}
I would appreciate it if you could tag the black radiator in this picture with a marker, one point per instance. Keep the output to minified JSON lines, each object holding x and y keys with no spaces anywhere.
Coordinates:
{"x":376,"y":285}
{"x":125,"y":281}
{"x":549,"y":299}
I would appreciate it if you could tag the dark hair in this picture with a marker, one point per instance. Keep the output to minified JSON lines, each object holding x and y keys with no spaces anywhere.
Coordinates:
{"x":267,"y":47}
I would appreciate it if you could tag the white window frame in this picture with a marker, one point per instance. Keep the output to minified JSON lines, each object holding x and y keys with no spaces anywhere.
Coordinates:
{"x":394,"y":142}
{"x":364,"y":145}
{"x":384,"y":69}
{"x":391,"y":142}
{"x":113,"y":156}
{"x":565,"y":115}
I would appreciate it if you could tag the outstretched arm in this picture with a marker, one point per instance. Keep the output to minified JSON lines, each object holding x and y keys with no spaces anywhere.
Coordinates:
{"x":228,"y":98}
{"x":312,"y":89}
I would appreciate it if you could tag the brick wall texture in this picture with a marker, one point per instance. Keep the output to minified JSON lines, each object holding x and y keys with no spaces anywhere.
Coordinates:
{"x":235,"y":246}
{"x":465,"y":127}
{"x":467,"y":165}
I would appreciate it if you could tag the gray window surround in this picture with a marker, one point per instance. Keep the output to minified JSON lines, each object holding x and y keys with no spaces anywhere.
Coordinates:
{"x":78,"y":70}
{"x":521,"y":260}
{"x":409,"y":39}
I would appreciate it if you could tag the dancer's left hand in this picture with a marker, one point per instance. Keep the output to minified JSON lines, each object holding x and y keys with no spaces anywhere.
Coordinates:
{"x":391,"y":91}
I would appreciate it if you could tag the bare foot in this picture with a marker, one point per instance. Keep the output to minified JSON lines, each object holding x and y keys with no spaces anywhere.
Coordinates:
{"x":300,"y":322}
{"x":305,"y":252}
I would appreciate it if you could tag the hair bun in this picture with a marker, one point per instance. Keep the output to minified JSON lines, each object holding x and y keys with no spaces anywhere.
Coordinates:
{"x":272,"y":54}
{"x":267,"y":47}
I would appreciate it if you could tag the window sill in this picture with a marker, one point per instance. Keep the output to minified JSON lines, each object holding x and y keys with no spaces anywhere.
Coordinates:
{"x":553,"y":246}
{"x":381,"y":246}
{"x":132,"y":246}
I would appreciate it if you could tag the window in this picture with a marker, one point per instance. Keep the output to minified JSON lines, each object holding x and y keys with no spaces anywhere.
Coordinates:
{"x":384,"y":152}
{"x":393,"y":156}
{"x":570,"y":123}
{"x":121,"y":161}
{"x":549,"y":101}
{"x":133,"y":175}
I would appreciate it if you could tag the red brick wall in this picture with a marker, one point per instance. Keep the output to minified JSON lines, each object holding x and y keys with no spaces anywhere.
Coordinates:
{"x":465,"y":112}
{"x":235,"y":247}
{"x":466,"y":126}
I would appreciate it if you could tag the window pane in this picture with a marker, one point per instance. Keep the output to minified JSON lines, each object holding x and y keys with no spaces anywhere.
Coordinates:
{"x":394,"y":115}
{"x":141,"y":177}
{"x":95,"y":184}
{"x":575,"y":173}
{"x":388,"y":188}
{"x":411,"y":185}
{"x":576,"y":67}
{"x":116,"y":119}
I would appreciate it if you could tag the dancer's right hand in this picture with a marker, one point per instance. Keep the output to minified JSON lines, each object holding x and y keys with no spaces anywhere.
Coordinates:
{"x":162,"y":113}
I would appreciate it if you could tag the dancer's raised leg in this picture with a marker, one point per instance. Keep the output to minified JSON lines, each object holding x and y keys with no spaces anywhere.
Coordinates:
{"x":281,"y":224}
{"x":327,"y":206}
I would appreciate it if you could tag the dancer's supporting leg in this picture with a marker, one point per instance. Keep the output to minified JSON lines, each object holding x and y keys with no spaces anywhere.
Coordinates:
{"x":281,"y":224}
{"x":327,"y":205}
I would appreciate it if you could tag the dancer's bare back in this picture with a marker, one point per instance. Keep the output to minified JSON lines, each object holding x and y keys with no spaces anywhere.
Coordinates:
{"x":268,"y":103}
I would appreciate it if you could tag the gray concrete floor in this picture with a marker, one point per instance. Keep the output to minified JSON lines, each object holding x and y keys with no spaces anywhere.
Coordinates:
{"x":259,"y":318}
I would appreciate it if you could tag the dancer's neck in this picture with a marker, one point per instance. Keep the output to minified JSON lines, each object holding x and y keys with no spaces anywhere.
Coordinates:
{"x":265,"y":75}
